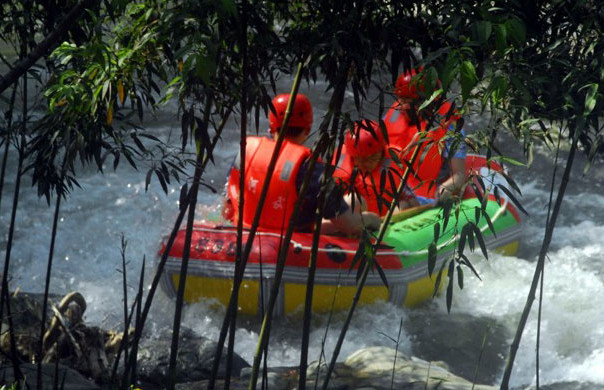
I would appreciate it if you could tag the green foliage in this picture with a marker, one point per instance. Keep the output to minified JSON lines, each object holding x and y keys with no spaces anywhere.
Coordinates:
{"x":125,"y":57}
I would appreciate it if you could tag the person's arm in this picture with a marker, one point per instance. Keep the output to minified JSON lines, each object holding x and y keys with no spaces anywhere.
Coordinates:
{"x":455,"y":181}
{"x":407,"y":198}
{"x":457,"y":165}
{"x":407,"y":203}
{"x":351,"y":223}
{"x":340,"y":218}
{"x":228,"y":211}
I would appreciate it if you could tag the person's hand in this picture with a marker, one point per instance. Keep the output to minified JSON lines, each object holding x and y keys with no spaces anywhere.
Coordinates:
{"x":443,"y":193}
{"x":228,"y":212}
{"x":372,"y":221}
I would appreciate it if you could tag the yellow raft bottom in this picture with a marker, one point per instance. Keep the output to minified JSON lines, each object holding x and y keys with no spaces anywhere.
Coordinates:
{"x":325,"y":297}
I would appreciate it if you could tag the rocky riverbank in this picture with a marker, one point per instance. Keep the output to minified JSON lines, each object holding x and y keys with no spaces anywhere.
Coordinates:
{"x":82,"y":357}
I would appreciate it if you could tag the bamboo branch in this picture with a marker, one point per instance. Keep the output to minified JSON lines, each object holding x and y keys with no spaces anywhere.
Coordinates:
{"x":51,"y":251}
{"x":164,"y":258}
{"x":187,"y":249}
{"x":23,"y":65}
{"x":238,"y":279}
{"x":266,"y":323}
{"x":242,"y":147}
{"x":335,"y":107}
{"x":540,"y":264}
{"x":367,"y":268}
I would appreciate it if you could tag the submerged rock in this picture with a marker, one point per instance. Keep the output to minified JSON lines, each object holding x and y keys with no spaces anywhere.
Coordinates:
{"x":194,"y":361}
{"x":91,"y":351}
{"x":473,"y":346}
{"x":375,"y":367}
{"x":67,"y":378}
{"x":370,"y":368}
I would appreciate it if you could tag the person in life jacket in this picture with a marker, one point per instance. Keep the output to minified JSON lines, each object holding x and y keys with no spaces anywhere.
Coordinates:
{"x":367,"y":169}
{"x":439,"y":169}
{"x":290,"y":170}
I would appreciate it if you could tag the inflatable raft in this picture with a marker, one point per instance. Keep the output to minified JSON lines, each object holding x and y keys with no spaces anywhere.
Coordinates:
{"x":404,"y":257}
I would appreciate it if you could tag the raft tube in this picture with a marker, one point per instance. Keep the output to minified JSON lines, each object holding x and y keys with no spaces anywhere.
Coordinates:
{"x":403,"y":257}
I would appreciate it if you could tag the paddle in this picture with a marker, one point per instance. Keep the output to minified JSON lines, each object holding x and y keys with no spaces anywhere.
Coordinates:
{"x":410,"y":212}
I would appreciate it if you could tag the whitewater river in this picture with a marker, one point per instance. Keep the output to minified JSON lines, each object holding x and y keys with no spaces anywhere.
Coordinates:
{"x":87,"y":259}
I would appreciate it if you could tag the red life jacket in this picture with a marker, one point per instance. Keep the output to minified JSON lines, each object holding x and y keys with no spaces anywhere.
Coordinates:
{"x":377,"y":195}
{"x":282,"y":192}
{"x":404,"y":135}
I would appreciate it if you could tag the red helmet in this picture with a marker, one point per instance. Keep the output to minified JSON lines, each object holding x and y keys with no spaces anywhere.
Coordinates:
{"x":411,"y":83}
{"x":408,"y":83}
{"x":361,"y":142}
{"x":301,"y":112}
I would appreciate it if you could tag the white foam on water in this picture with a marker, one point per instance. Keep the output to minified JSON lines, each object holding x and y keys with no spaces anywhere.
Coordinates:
{"x":572,"y":326}
{"x":373,"y":325}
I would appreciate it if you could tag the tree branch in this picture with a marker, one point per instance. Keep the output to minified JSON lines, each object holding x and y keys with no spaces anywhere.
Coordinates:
{"x":23,"y":65}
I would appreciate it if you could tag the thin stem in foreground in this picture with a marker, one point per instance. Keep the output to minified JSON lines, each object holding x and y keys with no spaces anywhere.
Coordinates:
{"x":540,"y":265}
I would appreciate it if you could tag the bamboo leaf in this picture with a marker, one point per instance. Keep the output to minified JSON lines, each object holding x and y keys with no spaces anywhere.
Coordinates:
{"x":392,"y":181}
{"x":510,"y":160}
{"x":489,"y":222}
{"x":460,"y":276}
{"x":384,"y":131}
{"x":126,"y":154}
{"x":438,"y":279}
{"x":138,"y":142}
{"x":467,"y":262}
{"x":590,"y":99}
{"x":116,"y":160}
{"x":358,"y":254}
{"x":109,"y":114}
{"x":468,"y":79}
{"x":451,"y":277}
{"x":139,"y":108}
{"x":483,"y":203}
{"x":516,"y":30}
{"x":470,"y":235}
{"x":429,"y":101}
{"x":480,"y":240}
{"x":475,"y":189}
{"x":431,"y":258}
{"x":501,"y":41}
{"x":362,"y":265}
{"x":511,"y":182}
{"x":395,"y":157}
{"x":120,"y":91}
{"x":161,"y":179}
{"x":165,"y":171}
{"x":497,"y":194}
{"x":513,"y":198}
{"x":381,"y":273}
{"x":148,"y":179}
{"x":448,"y":204}
{"x":185,"y":124}
{"x":480,"y":181}
{"x":462,"y":240}
{"x":482,"y":30}
{"x":184,"y":194}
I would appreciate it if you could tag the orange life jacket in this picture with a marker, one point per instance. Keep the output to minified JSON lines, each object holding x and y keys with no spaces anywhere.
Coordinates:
{"x":282,"y":192}
{"x":377,"y":187}
{"x":404,"y":135}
